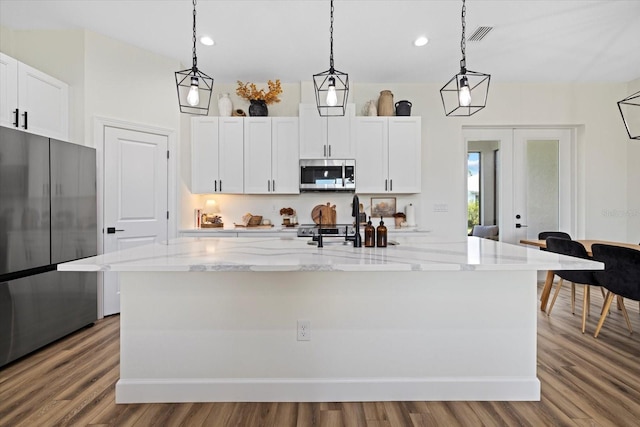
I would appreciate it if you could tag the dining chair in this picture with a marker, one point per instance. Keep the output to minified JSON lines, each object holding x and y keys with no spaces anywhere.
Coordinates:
{"x":583,"y":277}
{"x":561,"y":235}
{"x":621,"y":277}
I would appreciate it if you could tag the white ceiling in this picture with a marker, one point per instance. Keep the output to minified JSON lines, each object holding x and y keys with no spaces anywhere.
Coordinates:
{"x":258,"y":40}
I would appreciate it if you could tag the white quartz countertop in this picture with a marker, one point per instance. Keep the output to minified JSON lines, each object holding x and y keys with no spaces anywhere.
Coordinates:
{"x":412,"y":253}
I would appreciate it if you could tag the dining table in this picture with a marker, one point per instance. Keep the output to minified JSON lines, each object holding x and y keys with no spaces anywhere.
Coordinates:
{"x":587,"y":243}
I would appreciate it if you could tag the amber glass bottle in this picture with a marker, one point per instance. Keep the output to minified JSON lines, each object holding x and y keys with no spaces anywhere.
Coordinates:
{"x":369,"y":235}
{"x":381,"y":235}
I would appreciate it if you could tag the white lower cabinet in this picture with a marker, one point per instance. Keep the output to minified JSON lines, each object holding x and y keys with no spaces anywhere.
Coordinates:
{"x":33,"y":101}
{"x":217,"y":155}
{"x":388,"y":156}
{"x":271,"y":155}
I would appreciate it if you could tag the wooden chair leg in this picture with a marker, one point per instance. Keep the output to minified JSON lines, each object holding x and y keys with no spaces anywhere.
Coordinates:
{"x":573,"y":298}
{"x":555,"y":295}
{"x":624,"y":312}
{"x":585,"y":307}
{"x":546,"y":290}
{"x":605,"y":310}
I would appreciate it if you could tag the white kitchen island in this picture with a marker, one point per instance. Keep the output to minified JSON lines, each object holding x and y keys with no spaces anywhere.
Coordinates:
{"x":214,"y":319}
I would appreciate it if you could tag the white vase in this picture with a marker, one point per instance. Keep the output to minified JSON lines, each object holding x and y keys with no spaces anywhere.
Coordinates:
{"x":225,"y":107}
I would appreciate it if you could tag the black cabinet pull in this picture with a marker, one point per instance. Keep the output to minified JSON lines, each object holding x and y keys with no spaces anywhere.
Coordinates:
{"x":390,"y":185}
{"x":16,"y":113}
{"x":215,"y":188}
{"x":25,"y":120}
{"x":220,"y":185}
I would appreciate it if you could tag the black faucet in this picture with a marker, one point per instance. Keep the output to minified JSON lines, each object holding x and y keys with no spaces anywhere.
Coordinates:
{"x":318,"y":237}
{"x":355,"y":212}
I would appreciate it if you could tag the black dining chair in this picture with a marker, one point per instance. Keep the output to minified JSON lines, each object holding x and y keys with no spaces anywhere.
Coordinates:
{"x":561,"y":235}
{"x":621,"y":277}
{"x":583,"y":277}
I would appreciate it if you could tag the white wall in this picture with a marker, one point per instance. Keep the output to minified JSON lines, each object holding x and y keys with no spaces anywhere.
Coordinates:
{"x":633,"y":169}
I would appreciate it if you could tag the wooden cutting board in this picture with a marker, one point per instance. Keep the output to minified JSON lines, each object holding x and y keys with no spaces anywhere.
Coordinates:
{"x":328,"y":214}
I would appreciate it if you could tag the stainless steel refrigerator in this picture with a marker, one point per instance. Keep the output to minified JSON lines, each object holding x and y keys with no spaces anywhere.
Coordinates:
{"x":47,"y":216}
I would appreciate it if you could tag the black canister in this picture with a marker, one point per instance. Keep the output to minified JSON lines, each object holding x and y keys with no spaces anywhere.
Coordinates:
{"x":403,"y":108}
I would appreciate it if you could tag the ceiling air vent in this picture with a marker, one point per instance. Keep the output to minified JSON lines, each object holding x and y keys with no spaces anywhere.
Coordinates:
{"x":479,"y":34}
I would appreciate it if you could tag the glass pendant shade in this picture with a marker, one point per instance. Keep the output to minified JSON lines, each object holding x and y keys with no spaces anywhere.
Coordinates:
{"x":630,"y":112}
{"x":194,"y":87}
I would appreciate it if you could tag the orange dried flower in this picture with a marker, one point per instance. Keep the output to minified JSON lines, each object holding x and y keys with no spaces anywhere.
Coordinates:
{"x":249,"y":91}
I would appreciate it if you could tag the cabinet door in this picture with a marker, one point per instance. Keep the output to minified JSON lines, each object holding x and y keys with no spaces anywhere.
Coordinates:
{"x":231,"y":155}
{"x":340,"y":141}
{"x":204,"y":155}
{"x":257,"y":155}
{"x":284,"y":155}
{"x":45,"y":100}
{"x":405,"y":137}
{"x":372,"y":172}
{"x":313,"y":133}
{"x":8,"y":90}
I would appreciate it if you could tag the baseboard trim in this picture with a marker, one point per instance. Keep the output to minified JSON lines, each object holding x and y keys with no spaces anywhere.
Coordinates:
{"x":327,"y":390}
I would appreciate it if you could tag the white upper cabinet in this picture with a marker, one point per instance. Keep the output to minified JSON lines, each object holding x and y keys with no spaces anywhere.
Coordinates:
{"x":33,"y":101}
{"x":271,"y":155}
{"x":326,"y":137}
{"x":217,"y":155}
{"x":389,"y":154}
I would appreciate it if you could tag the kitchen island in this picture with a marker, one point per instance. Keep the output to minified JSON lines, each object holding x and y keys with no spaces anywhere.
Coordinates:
{"x":215,"y":319}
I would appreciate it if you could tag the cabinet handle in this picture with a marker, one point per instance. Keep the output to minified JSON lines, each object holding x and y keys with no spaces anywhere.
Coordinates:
{"x":385,"y":184}
{"x":16,"y":113}
{"x":220,"y":185}
{"x":274,"y":185}
{"x":268,"y":185}
{"x":390,"y":185}
{"x":215,"y":187}
{"x":25,"y":120}
{"x":324,"y":150}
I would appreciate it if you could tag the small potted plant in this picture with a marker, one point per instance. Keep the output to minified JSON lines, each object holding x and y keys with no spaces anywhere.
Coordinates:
{"x":399,"y":218}
{"x":258,"y":98}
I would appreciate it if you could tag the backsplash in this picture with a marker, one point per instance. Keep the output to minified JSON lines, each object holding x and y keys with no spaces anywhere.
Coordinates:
{"x":233,"y":207}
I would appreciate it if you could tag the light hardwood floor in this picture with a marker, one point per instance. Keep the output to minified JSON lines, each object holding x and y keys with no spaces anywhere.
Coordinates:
{"x":585,"y":382}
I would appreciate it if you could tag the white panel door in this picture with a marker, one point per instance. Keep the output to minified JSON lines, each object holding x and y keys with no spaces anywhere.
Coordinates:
{"x":135,"y":197}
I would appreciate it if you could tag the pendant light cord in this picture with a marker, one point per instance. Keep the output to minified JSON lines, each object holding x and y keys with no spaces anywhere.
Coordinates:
{"x":463,"y":44}
{"x":195,"y":58}
{"x":331,"y":70}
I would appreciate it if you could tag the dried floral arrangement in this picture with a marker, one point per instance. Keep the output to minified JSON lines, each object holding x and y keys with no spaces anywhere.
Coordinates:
{"x":249,"y":91}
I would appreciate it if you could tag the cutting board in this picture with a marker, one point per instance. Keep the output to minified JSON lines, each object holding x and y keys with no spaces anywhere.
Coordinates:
{"x":328,"y":214}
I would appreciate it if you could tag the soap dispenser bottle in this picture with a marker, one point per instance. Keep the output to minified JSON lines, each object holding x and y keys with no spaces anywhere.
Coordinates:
{"x":369,"y":235}
{"x":381,"y":235}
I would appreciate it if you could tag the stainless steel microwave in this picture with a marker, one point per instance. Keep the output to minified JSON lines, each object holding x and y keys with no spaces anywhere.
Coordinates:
{"x":327,"y":175}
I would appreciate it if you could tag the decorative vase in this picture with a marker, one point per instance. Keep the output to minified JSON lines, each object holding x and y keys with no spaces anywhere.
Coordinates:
{"x":370,"y":108}
{"x":385,"y":103}
{"x":258,"y":108}
{"x":225,"y":107}
{"x":403,"y":108}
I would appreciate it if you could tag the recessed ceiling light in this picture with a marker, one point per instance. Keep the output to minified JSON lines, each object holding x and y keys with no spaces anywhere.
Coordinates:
{"x":421,"y":41}
{"x":207,"y":41}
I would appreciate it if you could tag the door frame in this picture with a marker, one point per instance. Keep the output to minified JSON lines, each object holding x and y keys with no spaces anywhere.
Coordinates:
{"x":99,"y":125}
{"x":506,"y":159}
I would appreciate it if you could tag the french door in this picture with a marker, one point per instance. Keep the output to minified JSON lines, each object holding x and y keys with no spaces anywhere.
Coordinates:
{"x":536,"y":179}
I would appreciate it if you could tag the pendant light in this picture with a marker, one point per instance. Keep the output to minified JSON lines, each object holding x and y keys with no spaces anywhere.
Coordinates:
{"x":331,"y":86}
{"x":466,"y":93}
{"x":194,"y":86}
{"x":630,"y":112}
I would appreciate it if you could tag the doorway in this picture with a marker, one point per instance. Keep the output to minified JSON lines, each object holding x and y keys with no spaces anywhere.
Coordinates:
{"x":535,"y":179}
{"x":134,"y":193}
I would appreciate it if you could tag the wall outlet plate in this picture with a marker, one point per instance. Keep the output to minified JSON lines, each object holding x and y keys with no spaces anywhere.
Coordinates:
{"x":304,"y":330}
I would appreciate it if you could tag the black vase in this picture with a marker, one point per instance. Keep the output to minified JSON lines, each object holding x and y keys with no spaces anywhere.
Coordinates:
{"x":258,"y":108}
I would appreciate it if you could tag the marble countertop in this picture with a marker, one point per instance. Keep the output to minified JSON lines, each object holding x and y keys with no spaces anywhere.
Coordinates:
{"x":412,"y":253}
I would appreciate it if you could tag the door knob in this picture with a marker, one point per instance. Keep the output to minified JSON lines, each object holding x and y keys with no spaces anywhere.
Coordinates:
{"x":520,"y":225}
{"x":112,"y":230}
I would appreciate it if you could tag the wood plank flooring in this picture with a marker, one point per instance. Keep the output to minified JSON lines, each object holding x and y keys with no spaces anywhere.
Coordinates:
{"x":585,"y":382}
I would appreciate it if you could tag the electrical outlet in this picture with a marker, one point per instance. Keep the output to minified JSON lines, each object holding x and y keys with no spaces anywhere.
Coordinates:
{"x":304,"y":330}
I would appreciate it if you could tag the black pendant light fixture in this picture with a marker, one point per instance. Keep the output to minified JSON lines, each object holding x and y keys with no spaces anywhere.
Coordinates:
{"x":466,"y":93}
{"x":331,"y":86}
{"x":630,"y":112}
{"x":194,"y":86}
